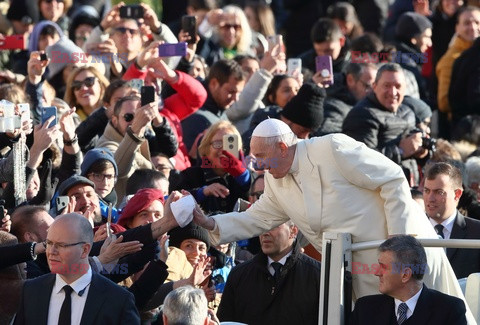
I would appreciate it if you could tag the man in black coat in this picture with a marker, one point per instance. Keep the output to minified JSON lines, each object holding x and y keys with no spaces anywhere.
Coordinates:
{"x":443,"y":189}
{"x":349,"y":88}
{"x":383,"y":123}
{"x":405,"y":299}
{"x":280,"y":285}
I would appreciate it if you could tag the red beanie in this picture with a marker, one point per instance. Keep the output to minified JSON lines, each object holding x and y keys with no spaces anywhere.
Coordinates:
{"x":139,"y":202}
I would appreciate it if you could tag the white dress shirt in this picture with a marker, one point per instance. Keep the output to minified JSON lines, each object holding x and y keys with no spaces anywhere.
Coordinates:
{"x":282,"y":261}
{"x":447,"y":225}
{"x":411,"y":303}
{"x":78,"y":302}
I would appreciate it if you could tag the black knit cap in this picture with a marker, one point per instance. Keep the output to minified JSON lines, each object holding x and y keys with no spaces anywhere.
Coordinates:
{"x":23,"y":10}
{"x":190,"y":231}
{"x":306,"y":108}
{"x":410,"y":24}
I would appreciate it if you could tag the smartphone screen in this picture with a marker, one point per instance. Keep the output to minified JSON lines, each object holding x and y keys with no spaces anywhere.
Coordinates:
{"x":189,"y":25}
{"x":47,"y":112}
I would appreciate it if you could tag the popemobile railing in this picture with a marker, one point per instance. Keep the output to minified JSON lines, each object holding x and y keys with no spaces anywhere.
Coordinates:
{"x":336,"y":277}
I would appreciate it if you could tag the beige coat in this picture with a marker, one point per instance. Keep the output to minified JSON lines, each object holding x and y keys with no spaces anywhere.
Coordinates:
{"x":341,"y":186}
{"x":130,"y":154}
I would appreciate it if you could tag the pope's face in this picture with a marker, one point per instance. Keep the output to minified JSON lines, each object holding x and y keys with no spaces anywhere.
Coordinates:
{"x":271,"y":158}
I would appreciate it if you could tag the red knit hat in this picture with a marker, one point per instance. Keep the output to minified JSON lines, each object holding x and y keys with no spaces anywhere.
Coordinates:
{"x":139,"y":202}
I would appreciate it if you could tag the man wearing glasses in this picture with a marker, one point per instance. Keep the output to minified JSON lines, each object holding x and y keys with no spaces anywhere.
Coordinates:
{"x":72,"y":293}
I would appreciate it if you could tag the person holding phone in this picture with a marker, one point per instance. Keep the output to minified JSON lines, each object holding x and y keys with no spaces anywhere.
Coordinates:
{"x":220,"y":178}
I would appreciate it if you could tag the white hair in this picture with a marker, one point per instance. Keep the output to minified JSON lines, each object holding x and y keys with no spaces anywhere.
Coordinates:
{"x":186,"y":305}
{"x":472,"y":167}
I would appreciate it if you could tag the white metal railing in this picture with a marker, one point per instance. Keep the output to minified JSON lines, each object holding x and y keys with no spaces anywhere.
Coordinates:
{"x":335,"y":282}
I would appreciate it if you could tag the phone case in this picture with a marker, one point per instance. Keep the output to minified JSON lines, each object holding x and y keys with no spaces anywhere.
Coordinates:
{"x":62,"y":202}
{"x":131,"y":11}
{"x":230,"y":144}
{"x":175,"y":49}
{"x":136,"y":84}
{"x":24,"y":111}
{"x":294,"y":65}
{"x":189,"y":25}
{"x":13,"y":42}
{"x":47,"y":112}
{"x":147,"y":95}
{"x":324,"y":64}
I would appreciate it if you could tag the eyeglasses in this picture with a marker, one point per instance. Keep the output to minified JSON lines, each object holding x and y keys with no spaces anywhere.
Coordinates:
{"x":217,"y":144}
{"x":128,"y":117}
{"x":228,"y":26}
{"x":124,"y":30}
{"x":50,"y":1}
{"x":365,"y":84}
{"x":61,"y":245}
{"x":89,"y":82}
{"x":257,"y":194}
{"x":101,"y":177}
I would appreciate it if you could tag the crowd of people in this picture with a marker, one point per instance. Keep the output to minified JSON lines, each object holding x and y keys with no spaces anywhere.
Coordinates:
{"x":282,"y":119}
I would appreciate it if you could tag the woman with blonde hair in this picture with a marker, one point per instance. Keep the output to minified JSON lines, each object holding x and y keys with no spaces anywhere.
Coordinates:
{"x":220,"y":178}
{"x":85,"y":89}
{"x":233,"y":36}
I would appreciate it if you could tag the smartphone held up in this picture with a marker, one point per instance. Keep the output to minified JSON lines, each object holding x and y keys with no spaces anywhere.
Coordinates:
{"x":324,"y":65}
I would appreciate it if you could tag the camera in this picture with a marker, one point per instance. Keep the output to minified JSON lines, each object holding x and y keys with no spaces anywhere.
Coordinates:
{"x":429,"y":143}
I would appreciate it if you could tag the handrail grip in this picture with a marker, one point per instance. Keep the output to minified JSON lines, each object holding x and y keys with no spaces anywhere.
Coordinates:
{"x":426,"y":242}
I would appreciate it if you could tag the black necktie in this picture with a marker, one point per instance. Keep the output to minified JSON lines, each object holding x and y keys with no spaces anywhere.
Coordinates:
{"x":439,"y":230}
{"x":402,"y":313}
{"x":65,"y":317}
{"x":277,"y":267}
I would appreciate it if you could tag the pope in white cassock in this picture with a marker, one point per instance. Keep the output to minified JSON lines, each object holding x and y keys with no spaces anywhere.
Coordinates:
{"x":332,"y":184}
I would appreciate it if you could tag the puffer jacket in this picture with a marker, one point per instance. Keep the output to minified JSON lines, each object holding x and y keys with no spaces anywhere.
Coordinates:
{"x":382,"y":130}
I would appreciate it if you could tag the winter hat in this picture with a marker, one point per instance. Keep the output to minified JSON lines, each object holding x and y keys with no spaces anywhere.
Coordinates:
{"x":140,"y":201}
{"x":306,"y":108}
{"x":61,"y":54}
{"x":419,"y":107}
{"x":23,"y":10}
{"x":73,"y":181}
{"x":37,"y":29}
{"x":87,"y":15}
{"x":190,"y":231}
{"x":410,"y":24}
{"x":94,"y":155}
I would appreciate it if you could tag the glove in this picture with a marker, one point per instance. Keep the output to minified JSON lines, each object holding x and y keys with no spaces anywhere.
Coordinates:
{"x":233,"y":166}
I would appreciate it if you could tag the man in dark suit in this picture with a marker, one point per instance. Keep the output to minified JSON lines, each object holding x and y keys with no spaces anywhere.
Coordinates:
{"x":405,"y":299}
{"x":442,"y":191}
{"x":72,"y":294}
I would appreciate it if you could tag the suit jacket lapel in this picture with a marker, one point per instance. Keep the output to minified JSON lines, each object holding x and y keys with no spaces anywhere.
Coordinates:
{"x":95,"y":300}
{"x":423,"y":309}
{"x":459,"y":231}
{"x":311,"y":186}
{"x":42,"y":301}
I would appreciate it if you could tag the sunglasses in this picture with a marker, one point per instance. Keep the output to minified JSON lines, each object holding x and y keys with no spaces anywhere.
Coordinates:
{"x":89,"y":82}
{"x":124,"y":30}
{"x":228,"y":26}
{"x":128,"y":117}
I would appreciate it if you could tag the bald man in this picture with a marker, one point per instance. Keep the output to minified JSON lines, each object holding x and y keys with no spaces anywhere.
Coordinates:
{"x":331,"y":184}
{"x":72,"y":293}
